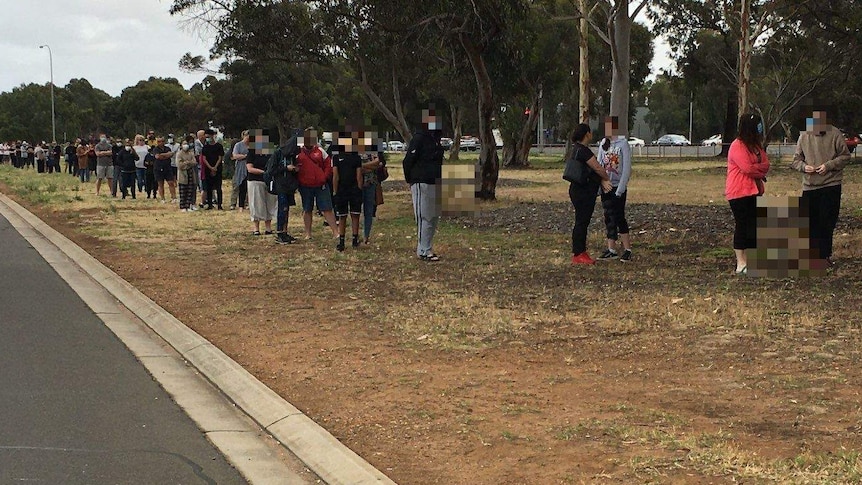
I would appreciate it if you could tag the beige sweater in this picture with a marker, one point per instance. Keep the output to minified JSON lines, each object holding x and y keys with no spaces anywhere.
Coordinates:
{"x":814,"y":149}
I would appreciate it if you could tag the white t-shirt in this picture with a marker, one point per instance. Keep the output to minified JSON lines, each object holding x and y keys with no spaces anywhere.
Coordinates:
{"x":142,"y":151}
{"x":176,"y":149}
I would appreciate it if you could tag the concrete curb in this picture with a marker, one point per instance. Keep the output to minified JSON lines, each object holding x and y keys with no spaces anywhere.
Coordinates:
{"x":321,"y":452}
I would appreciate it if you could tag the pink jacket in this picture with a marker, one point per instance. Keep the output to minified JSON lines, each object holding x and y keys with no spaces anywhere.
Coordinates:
{"x":745,"y":173}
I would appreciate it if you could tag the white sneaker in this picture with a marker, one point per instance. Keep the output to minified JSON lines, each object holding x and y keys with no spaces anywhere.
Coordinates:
{"x":173,"y":201}
{"x":184,"y":210}
{"x":193,"y":208}
{"x":163,"y":201}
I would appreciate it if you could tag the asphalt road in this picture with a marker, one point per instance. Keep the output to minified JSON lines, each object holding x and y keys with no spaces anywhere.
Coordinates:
{"x":75,"y":405}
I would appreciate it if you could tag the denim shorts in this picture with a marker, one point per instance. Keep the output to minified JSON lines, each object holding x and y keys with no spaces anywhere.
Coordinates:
{"x":320,"y":195}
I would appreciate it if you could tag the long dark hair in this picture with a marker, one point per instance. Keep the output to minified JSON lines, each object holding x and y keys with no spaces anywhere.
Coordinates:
{"x":580,"y":132}
{"x":749,"y":134}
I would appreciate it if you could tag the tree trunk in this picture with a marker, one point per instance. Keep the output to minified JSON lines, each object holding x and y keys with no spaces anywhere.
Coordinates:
{"x":489,"y":163}
{"x":744,"y":67}
{"x":457,"y":123}
{"x":621,"y":66}
{"x":730,"y":124}
{"x":583,"y":65}
{"x":518,"y":156}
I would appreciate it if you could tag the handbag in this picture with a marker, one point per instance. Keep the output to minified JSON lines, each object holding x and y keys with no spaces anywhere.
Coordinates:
{"x":379,"y":195}
{"x":575,"y":171}
{"x":382,"y":173}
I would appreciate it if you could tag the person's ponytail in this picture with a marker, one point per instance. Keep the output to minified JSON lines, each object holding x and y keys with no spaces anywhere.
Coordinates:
{"x":606,"y":143}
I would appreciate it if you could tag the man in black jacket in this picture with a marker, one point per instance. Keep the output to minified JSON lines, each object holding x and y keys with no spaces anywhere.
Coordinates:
{"x":423,"y":170}
{"x":284,"y":184}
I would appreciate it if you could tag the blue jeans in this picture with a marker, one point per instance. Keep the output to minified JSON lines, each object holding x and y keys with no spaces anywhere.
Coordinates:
{"x":142,"y":178}
{"x":369,"y":208}
{"x":320,"y":195}
{"x":84,"y":174}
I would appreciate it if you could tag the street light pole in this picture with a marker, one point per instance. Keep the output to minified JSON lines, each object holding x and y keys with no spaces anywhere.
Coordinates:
{"x":53,"y":118}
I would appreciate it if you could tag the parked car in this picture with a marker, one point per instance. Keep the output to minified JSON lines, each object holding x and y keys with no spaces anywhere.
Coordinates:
{"x":395,"y":146}
{"x":446,"y":143}
{"x":852,"y":140}
{"x":712,"y":141}
{"x":469,"y":143}
{"x":672,"y":140}
{"x":636,"y":142}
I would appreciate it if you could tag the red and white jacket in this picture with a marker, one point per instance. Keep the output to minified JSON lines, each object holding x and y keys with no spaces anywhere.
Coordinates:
{"x":315,"y":167}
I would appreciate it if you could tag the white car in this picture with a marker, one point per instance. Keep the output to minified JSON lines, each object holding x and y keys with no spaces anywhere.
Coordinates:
{"x":395,"y":146}
{"x":469,"y":143}
{"x":712,"y":141}
{"x":636,"y":142}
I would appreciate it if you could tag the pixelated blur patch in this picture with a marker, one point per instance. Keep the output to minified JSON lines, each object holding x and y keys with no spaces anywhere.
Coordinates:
{"x":783,"y":247}
{"x":259,"y":142}
{"x":458,"y":190}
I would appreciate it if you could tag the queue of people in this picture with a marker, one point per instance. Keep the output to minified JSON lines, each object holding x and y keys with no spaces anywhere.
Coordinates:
{"x":821,"y":155}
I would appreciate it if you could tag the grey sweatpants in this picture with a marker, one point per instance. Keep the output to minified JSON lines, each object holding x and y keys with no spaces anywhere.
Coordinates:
{"x":426,"y":210}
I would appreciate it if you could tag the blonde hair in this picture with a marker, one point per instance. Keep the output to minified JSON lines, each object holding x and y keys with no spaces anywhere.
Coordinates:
{"x":138,"y":138}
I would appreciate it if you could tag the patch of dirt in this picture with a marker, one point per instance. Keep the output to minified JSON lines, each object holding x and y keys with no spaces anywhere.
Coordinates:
{"x":639,"y":365}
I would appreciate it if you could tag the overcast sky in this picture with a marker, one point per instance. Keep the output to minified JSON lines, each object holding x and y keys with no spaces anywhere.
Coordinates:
{"x":112,"y":43}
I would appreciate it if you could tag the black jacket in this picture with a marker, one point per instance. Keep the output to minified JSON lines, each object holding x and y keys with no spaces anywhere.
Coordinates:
{"x":127,"y":159}
{"x":423,"y":163}
{"x":278,"y":179}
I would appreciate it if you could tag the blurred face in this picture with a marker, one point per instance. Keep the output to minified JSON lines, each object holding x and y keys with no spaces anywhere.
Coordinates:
{"x":612,"y":126}
{"x":201,"y":135}
{"x":430,"y":120}
{"x":310,"y":139}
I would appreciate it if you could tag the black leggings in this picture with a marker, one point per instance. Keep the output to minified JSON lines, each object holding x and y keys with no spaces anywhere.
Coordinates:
{"x":583,"y":198}
{"x":745,"y":216}
{"x":823,"y":206}
{"x":615,"y":214}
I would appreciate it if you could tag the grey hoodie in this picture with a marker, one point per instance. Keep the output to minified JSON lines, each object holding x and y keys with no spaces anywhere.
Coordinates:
{"x":617,"y":161}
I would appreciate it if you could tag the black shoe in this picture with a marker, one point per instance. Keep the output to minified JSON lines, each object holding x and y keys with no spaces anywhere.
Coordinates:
{"x":222,"y":208}
{"x":325,"y":224}
{"x":268,"y":233}
{"x":291,"y":239}
{"x":209,"y":208}
{"x":282,"y":238}
{"x":340,"y":246}
{"x":627,"y":256}
{"x":356,"y":241}
{"x":608,"y":255}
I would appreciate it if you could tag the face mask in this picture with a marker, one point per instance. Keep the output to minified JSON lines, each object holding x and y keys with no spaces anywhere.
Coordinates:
{"x":170,"y":140}
{"x":185,"y":146}
{"x":128,"y":148}
{"x":104,"y":139}
{"x":209,"y":140}
{"x":760,"y":128}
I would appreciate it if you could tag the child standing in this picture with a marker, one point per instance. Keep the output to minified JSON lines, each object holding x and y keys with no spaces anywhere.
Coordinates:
{"x":615,"y":156}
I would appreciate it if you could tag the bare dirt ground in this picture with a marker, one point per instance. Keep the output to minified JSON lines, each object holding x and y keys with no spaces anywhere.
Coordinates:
{"x":504,"y":365}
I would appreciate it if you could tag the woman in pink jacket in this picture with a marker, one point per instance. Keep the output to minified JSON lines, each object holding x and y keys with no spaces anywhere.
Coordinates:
{"x":747,"y":166}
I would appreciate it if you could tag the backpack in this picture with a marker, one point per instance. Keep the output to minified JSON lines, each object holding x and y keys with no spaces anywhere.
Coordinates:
{"x":277,"y":178}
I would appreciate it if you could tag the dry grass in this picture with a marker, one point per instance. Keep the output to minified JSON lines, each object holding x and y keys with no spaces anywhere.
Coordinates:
{"x":505,"y":289}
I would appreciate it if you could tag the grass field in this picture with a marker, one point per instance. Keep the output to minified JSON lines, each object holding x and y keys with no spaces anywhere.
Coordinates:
{"x":502,"y":364}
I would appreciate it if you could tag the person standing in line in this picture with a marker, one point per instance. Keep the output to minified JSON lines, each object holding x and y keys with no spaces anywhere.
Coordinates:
{"x":128,"y":158}
{"x":141,"y":149}
{"x":262,"y":205}
{"x":314,"y":170}
{"x":171,"y":143}
{"x":72,"y":157}
{"x":347,"y":185}
{"x":24,"y":158}
{"x":163,"y":171}
{"x":83,"y":162}
{"x":821,"y":155}
{"x":240,"y":173}
{"x":747,"y":166}
{"x":285,"y":184}
{"x":423,"y":171}
{"x":583,"y":195}
{"x":200,"y":173}
{"x":116,"y":166}
{"x":615,"y":156}
{"x":212,"y":156}
{"x":91,"y":159}
{"x":186,"y":166}
{"x":370,"y":190}
{"x":57,"y":153}
{"x":104,"y":162}
{"x":39,"y":153}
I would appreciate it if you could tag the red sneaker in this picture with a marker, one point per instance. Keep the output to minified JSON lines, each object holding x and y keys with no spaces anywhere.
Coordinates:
{"x":583,"y":258}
